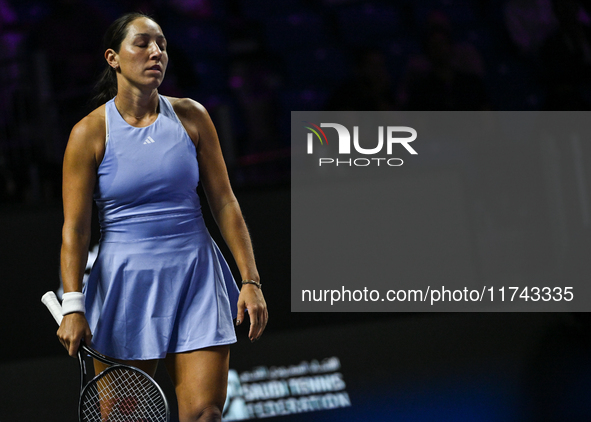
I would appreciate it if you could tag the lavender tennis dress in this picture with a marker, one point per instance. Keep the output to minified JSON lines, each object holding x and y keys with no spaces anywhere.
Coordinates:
{"x":160,"y":284}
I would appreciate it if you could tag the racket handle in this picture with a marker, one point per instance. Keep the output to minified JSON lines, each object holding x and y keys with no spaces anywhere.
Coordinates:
{"x":50,"y":300}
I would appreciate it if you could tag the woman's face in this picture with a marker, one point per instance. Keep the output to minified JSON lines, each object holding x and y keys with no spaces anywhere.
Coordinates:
{"x":142,"y":57}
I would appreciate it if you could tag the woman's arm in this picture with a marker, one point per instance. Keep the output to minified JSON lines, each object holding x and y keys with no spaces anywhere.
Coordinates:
{"x":79,"y":177}
{"x":225,"y":210}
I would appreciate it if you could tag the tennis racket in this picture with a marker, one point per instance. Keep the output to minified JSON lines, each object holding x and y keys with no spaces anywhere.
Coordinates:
{"x":120,"y":393}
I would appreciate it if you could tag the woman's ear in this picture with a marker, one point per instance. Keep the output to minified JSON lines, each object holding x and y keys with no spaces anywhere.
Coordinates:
{"x":112,"y":58}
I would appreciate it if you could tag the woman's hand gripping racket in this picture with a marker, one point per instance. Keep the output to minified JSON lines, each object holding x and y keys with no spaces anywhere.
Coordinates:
{"x":120,"y":393}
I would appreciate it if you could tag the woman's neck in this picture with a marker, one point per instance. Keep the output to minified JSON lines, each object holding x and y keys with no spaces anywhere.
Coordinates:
{"x":138,"y":109}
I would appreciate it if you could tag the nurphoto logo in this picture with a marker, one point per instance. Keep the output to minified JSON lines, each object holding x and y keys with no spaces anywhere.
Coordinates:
{"x":344,"y":144}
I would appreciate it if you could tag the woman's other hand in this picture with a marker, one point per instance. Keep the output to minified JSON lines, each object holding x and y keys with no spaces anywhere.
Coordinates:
{"x":251,"y":299}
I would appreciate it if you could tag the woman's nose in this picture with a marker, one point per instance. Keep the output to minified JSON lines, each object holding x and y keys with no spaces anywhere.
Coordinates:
{"x":155,"y":52}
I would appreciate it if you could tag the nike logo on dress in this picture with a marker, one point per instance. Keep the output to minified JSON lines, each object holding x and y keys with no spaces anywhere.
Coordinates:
{"x":149,"y":140}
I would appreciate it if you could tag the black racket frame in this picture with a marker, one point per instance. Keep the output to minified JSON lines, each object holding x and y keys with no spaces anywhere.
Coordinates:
{"x":84,"y":349}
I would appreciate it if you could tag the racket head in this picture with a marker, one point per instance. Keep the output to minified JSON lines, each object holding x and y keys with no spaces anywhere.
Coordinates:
{"x":123,"y":394}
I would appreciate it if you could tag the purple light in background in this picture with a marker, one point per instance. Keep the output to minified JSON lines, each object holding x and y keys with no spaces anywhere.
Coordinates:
{"x":11,"y":42}
{"x":236,"y":82}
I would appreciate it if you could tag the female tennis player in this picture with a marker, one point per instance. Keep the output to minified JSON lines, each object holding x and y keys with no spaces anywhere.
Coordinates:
{"x":160,"y":287}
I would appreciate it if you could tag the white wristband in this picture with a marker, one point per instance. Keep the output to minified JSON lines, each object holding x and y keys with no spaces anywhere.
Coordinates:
{"x":73,"y":302}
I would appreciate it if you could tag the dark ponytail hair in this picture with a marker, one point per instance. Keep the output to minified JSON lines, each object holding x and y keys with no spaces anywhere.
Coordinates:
{"x":106,"y":86}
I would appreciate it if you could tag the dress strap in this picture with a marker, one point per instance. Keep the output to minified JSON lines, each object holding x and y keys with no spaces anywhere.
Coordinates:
{"x":106,"y":125}
{"x":167,"y":109}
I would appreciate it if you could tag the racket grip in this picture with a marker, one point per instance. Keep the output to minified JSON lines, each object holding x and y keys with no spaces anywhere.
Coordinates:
{"x":50,"y":300}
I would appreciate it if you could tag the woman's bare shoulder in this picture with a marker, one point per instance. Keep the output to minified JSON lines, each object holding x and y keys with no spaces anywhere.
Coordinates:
{"x":91,"y":126}
{"x":187,"y":107}
{"x":88,"y":136}
{"x":193,"y":116}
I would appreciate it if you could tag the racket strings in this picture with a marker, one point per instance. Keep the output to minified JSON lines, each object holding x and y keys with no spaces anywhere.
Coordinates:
{"x":122,"y":395}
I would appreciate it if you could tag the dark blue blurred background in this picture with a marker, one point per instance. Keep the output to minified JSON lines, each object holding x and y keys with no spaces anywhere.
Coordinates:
{"x":251,"y":62}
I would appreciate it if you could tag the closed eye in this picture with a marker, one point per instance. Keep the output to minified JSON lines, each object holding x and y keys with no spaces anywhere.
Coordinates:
{"x":145,"y":39}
